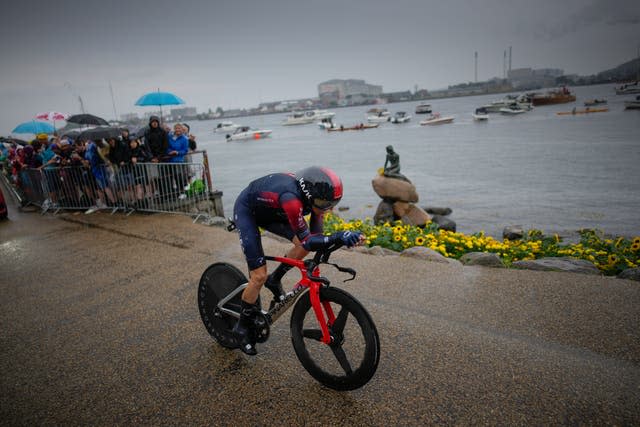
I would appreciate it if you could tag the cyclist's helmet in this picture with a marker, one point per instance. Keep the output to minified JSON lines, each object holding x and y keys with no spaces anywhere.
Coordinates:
{"x":321,"y":186}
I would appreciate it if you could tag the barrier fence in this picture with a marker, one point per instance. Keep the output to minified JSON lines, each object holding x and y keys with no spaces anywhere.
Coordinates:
{"x":183,"y":188}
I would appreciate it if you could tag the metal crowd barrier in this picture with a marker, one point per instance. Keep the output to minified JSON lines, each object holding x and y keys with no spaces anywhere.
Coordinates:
{"x":182,"y":188}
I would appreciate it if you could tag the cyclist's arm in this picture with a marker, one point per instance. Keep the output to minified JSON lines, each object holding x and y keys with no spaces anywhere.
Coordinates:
{"x":293,"y":208}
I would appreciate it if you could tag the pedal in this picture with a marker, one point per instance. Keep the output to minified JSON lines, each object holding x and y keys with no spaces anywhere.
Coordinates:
{"x":232,"y":225}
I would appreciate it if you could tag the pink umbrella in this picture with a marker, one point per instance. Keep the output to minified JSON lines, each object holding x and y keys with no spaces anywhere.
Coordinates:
{"x":52,"y":116}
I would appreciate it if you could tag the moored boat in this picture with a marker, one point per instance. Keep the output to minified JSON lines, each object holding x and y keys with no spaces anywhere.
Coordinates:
{"x":632,"y":105}
{"x":226,"y":127}
{"x":436,"y":119}
{"x":628,"y":89}
{"x":306,"y":117}
{"x":559,"y":96}
{"x":378,"y":115}
{"x":400,"y":117}
{"x":481,"y":115}
{"x":245,"y":132}
{"x":423,"y":109}
{"x":592,"y":102}
{"x":512,"y":110}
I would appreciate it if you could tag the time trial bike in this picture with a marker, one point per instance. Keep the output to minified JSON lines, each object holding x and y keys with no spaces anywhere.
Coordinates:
{"x":333,"y":335}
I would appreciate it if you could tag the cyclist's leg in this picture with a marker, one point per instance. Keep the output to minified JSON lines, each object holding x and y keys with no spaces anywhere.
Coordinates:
{"x":273,"y":282}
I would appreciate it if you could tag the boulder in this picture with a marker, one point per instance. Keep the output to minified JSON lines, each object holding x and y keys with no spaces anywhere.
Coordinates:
{"x":427,"y":254}
{"x":384,"y":213}
{"x":394,"y":189}
{"x":444,"y":223}
{"x":486,"y":259}
{"x":568,"y":264}
{"x":377,"y":250}
{"x":400,"y":209}
{"x":415,"y":216}
{"x":437,"y":211}
{"x":630,"y":274}
{"x":513,"y":232}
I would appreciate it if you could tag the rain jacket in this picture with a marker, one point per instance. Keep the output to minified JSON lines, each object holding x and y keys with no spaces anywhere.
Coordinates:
{"x":156,"y":140}
{"x":179,"y":144}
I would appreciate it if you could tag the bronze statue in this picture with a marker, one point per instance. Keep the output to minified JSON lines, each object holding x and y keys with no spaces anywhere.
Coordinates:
{"x":393,"y":160}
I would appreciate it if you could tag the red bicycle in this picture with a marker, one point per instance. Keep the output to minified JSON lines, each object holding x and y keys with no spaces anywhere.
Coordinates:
{"x":333,"y":335}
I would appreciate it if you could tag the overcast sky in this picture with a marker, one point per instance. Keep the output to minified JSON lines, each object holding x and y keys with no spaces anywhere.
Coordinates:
{"x":242,"y":52}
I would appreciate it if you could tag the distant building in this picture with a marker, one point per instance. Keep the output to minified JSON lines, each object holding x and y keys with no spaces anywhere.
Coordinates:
{"x":338,"y":90}
{"x":529,"y":78}
{"x":183,"y":113}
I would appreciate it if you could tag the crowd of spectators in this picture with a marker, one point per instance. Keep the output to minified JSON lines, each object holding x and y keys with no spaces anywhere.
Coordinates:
{"x":83,"y":173}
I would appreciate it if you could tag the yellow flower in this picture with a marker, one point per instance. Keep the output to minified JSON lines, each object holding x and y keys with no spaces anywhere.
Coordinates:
{"x":635,"y":246}
{"x":613,"y":258}
{"x":419,"y":240}
{"x":636,"y":240}
{"x":397,"y":237}
{"x":397,"y":229}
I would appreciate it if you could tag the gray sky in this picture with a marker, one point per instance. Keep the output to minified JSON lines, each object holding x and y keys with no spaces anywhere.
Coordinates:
{"x":242,"y":52}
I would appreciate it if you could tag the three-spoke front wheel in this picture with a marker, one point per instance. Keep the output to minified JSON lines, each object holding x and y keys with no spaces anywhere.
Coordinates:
{"x":351,"y":359}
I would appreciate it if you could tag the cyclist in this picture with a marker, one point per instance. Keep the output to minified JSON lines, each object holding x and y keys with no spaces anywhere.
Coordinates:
{"x":278,"y":203}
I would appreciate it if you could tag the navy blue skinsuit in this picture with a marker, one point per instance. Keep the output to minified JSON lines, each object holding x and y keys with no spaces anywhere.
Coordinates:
{"x":275,"y":203}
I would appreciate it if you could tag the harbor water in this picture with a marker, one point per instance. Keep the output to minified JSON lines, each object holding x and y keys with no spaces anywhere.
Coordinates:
{"x":538,"y":169}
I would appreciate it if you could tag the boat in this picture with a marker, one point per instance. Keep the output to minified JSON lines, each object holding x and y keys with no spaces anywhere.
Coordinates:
{"x":585,"y":111}
{"x":558,"y":96}
{"x":628,"y":89}
{"x":436,"y":119}
{"x":481,"y":115}
{"x":400,"y":117}
{"x":592,"y":102}
{"x":245,"y":132}
{"x":512,"y":110}
{"x":226,"y":127}
{"x":380,"y":117}
{"x":326,"y":123}
{"x":361,"y":126}
{"x":523,"y":101}
{"x":423,"y":109}
{"x":632,"y":105}
{"x":306,"y":117}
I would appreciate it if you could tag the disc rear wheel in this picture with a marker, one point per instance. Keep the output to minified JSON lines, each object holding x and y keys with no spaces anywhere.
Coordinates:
{"x":351,"y":359}
{"x":216,"y":283}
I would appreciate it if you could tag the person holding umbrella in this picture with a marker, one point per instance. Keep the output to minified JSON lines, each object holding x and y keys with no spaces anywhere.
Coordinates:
{"x":156,"y":139}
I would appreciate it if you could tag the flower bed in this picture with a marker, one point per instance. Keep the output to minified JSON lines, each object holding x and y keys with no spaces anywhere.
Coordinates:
{"x":610,"y":255}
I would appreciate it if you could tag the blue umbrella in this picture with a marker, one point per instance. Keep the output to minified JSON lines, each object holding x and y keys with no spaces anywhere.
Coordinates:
{"x":160,"y":99}
{"x":34,"y":127}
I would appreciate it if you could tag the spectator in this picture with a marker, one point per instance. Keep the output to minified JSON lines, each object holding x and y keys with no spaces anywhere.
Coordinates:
{"x":192,"y":138}
{"x":178,"y":147}
{"x":139,"y":154}
{"x":97,"y":156}
{"x":156,"y":140}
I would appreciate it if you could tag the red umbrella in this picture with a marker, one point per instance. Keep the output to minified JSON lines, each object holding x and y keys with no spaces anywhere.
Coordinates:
{"x":52,"y":116}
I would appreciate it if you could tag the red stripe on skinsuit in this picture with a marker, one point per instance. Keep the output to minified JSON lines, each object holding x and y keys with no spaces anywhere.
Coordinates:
{"x":335,"y":180}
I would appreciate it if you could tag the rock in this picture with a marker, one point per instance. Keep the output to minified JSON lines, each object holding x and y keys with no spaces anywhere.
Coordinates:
{"x":568,"y":264}
{"x":513,"y":232}
{"x":444,"y":223}
{"x":415,"y":216}
{"x":630,"y":274}
{"x":486,"y":259}
{"x":379,"y":250}
{"x":384,"y":213}
{"x":394,"y":189}
{"x":437,"y":211}
{"x":217,"y":221}
{"x":400,"y":209}
{"x":343,"y":208}
{"x":427,"y":254}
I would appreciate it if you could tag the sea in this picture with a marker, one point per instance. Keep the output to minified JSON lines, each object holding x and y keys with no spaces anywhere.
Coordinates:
{"x":537,"y":170}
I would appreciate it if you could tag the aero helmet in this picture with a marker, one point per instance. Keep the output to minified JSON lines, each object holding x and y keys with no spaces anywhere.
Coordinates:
{"x":321,"y":186}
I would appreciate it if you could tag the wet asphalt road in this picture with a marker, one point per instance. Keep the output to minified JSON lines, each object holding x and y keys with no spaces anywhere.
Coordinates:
{"x":99,"y":326}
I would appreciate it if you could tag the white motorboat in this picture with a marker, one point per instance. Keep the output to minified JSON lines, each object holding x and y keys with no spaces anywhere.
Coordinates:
{"x":226,"y":127}
{"x":245,"y":132}
{"x":523,"y":101}
{"x":481,"y":115}
{"x":436,"y":119}
{"x":423,"y":109}
{"x":400,"y":117}
{"x":512,"y":110}
{"x":326,"y":124}
{"x":379,"y":117}
{"x":632,"y":105}
{"x":306,"y":117}
{"x":628,"y":89}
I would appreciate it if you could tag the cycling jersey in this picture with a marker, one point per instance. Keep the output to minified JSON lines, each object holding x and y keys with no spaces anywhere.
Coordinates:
{"x":275,"y":203}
